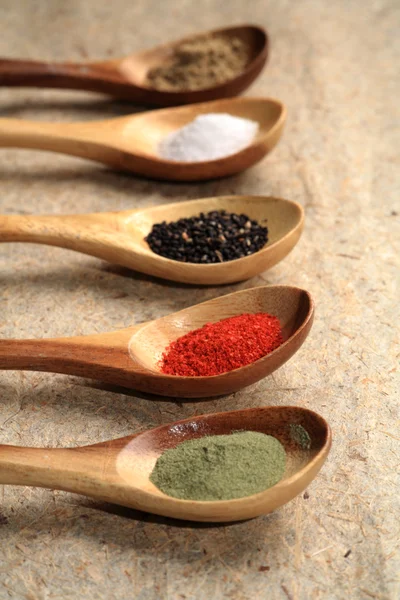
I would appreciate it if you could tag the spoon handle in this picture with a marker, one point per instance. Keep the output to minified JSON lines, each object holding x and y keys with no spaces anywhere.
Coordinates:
{"x":42,"y":467}
{"x":66,"y":138}
{"x":77,"y":470}
{"x":76,"y":232}
{"x":99,"y":235}
{"x":104,"y":356}
{"x":95,"y":77}
{"x":51,"y":230}
{"x":20,"y":133}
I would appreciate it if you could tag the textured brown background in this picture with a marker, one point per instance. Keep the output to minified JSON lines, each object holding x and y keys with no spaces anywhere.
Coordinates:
{"x":335,"y":65}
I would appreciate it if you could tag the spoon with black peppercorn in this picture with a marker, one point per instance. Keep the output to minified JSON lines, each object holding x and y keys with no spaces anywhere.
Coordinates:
{"x":119,"y":470}
{"x":119,"y":237}
{"x":132,"y":143}
{"x":127,"y":77}
{"x":131,"y":357}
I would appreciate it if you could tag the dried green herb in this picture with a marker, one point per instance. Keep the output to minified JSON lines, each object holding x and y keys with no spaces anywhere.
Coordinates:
{"x":221,"y":467}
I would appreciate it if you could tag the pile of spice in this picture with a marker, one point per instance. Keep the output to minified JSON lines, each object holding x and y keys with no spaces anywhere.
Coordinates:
{"x":213,"y":237}
{"x":222,"y":346}
{"x":221,"y":467}
{"x":208,"y":137}
{"x":201,"y":63}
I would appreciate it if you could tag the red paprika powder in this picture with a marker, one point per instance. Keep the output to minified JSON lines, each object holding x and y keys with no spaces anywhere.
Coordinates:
{"x":223,"y":346}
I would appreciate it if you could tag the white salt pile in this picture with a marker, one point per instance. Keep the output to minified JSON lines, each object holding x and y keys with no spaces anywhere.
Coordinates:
{"x":207,"y":137}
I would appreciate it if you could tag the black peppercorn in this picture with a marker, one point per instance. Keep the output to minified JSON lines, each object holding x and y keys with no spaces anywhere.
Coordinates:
{"x":214,"y":237}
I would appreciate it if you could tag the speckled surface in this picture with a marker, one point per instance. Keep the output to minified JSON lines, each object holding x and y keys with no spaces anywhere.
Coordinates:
{"x":335,"y":66}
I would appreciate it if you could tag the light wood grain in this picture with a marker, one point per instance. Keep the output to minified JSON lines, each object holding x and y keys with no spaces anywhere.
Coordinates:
{"x":130,"y":357}
{"x":126,"y":77}
{"x":131,"y":143}
{"x":118,"y":470}
{"x":118,"y":237}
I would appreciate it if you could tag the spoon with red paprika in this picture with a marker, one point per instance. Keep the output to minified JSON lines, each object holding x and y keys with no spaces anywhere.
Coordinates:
{"x":131,"y":357}
{"x":119,"y":470}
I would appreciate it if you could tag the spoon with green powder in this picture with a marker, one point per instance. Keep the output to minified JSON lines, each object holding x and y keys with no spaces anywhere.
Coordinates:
{"x":255,"y":464}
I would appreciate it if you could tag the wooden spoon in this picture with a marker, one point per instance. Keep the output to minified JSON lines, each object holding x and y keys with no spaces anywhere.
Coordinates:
{"x":130,"y":357}
{"x":118,"y":470}
{"x":118,"y":237}
{"x":126,"y":77}
{"x":131,"y":143}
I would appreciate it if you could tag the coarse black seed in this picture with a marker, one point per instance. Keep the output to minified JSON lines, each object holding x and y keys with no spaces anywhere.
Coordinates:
{"x":213,"y":237}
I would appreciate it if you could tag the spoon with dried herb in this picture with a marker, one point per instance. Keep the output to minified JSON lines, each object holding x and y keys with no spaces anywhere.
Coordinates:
{"x":215,"y":64}
{"x":120,"y":471}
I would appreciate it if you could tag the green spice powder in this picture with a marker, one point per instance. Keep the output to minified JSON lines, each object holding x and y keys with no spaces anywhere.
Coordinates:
{"x":220,"y":467}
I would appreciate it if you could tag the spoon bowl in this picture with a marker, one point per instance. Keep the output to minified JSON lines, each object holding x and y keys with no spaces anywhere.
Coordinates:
{"x":119,"y":470}
{"x":130,"y":357}
{"x":119,"y":237}
{"x":131,"y":143}
{"x":126,"y":77}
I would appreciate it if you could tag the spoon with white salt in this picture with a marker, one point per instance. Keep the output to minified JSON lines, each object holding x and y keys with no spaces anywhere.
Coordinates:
{"x":138,"y":143}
